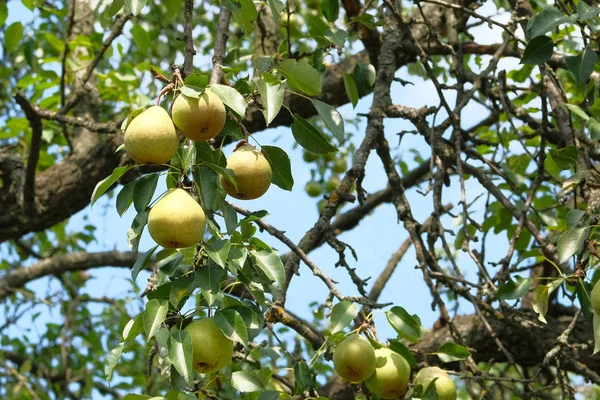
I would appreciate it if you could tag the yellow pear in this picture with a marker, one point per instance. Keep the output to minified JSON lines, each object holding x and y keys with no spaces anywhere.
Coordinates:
{"x":151,"y":137}
{"x":444,"y":386}
{"x":391,"y":375}
{"x":211,"y":349}
{"x":251,"y":171}
{"x":177,"y":220}
{"x":354,"y":359}
{"x":199,"y":119}
{"x":595,"y":297}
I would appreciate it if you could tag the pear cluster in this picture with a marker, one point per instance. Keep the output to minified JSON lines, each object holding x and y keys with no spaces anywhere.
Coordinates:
{"x":384,"y":372}
{"x":177,"y":220}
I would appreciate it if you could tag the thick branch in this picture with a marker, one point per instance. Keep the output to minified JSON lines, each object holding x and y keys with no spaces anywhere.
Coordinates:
{"x":17,"y":279}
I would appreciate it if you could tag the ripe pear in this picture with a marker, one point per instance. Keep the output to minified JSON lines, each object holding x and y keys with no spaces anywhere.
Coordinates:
{"x":444,"y":386}
{"x":251,"y":171}
{"x":211,"y":349}
{"x":354,"y":359}
{"x":151,"y":137}
{"x":391,"y":375}
{"x":199,"y":119}
{"x":177,"y":220}
{"x":595,"y":297}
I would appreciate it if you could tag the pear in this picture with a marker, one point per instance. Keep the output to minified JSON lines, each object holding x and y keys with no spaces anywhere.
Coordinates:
{"x":251,"y":171}
{"x":392,"y":372}
{"x":211,"y":349}
{"x":151,"y":137}
{"x":199,"y":119}
{"x":177,"y":220}
{"x":595,"y":297}
{"x":444,"y":386}
{"x":354,"y":359}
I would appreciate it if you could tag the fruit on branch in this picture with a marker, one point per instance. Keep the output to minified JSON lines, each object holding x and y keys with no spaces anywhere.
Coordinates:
{"x":391,"y":375}
{"x":595,"y":297}
{"x":251,"y":171}
{"x":199,"y":119}
{"x":444,"y":386}
{"x":310,"y":157}
{"x":151,"y":137}
{"x":313,"y":189}
{"x":332,"y":184}
{"x":211,"y":349}
{"x":177,"y":220}
{"x":339,"y":166}
{"x":354,"y":358}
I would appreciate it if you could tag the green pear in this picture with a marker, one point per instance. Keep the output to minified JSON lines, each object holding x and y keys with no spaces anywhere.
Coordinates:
{"x":251,"y":171}
{"x":595,"y":297}
{"x":444,"y":386}
{"x":391,"y":376}
{"x":199,"y":119}
{"x":354,"y":359}
{"x":177,"y":220}
{"x":151,"y":137}
{"x":211,"y":349}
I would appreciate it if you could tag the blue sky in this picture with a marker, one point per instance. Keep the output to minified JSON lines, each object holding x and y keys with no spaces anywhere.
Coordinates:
{"x":376,"y":238}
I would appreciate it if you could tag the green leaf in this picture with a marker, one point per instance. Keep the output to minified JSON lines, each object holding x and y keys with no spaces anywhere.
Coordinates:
{"x":330,"y":9}
{"x":399,"y":347}
{"x":218,"y":250}
{"x":206,"y":180}
{"x":583,"y":290}
{"x":541,"y":295}
{"x":137,"y":227}
{"x":141,"y":38}
{"x":271,"y":97}
{"x":191,"y":92}
{"x":364,"y":75}
{"x":351,"y":89}
{"x":301,"y":76}
{"x":277,"y":7}
{"x":449,"y":352}
{"x":133,"y":328}
{"x":116,"y":6}
{"x":230,"y":97}
{"x":244,"y":12}
{"x":565,"y":158}
{"x":574,"y":217}
{"x":55,"y":42}
{"x":514,"y":289}
{"x":246,"y":382}
{"x":577,"y":111}
{"x":582,"y":65}
{"x":107,"y":182}
{"x":209,"y":278}
{"x":404,"y":324}
{"x":143,"y":191}
{"x":12,"y":36}
{"x":281,"y":166}
{"x":570,"y":242}
{"x":596,"y":333}
{"x":270,"y":264}
{"x":304,"y":375}
{"x":133,"y":396}
{"x":181,"y":289}
{"x":196,"y":81}
{"x":232,"y":324}
{"x":269,"y":394}
{"x":135,"y":6}
{"x":180,"y":353}
{"x":141,"y":262}
{"x":3,"y":12}
{"x":125,"y":198}
{"x":309,"y":137}
{"x":545,"y":21}
{"x":586,"y":12}
{"x":342,"y":315}
{"x":332,"y":118}
{"x":230,"y":216}
{"x":538,"y":50}
{"x":112,"y":360}
{"x":154,"y":316}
